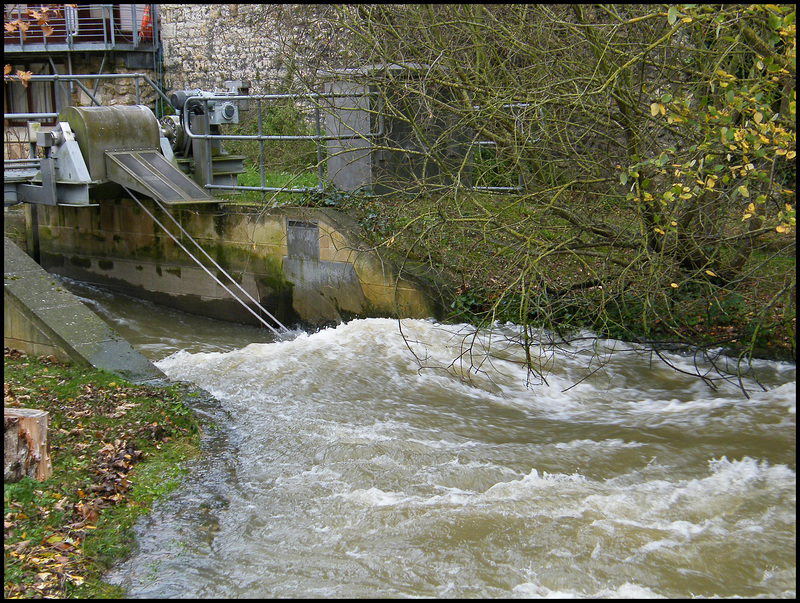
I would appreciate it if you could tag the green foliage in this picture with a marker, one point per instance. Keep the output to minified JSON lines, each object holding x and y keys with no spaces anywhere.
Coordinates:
{"x":740,"y":124}
{"x":280,"y":117}
{"x":655,"y":145}
{"x":491,"y":169}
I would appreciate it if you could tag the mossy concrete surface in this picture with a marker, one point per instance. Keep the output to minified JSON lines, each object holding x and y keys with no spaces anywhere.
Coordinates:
{"x":304,"y":265}
{"x":41,"y":318}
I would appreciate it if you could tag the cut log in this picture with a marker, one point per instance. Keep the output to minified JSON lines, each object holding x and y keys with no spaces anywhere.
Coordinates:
{"x":26,"y":449}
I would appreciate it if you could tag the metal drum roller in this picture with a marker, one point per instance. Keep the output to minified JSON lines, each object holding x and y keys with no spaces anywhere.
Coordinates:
{"x":92,"y":147}
{"x":118,"y":128}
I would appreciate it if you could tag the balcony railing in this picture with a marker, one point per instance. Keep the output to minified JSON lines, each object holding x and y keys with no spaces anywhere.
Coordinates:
{"x":80,"y":27}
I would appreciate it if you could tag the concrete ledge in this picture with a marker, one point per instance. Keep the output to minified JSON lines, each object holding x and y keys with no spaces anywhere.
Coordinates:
{"x":41,"y":318}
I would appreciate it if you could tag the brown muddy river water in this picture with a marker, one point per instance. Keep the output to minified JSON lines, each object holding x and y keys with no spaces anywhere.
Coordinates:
{"x":361,"y":462}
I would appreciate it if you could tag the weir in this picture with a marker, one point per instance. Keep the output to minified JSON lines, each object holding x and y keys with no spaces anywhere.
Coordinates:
{"x":81,"y":224}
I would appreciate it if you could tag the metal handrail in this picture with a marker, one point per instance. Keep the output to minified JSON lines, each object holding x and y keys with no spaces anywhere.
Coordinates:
{"x":57,"y":77}
{"x":72,"y":29}
{"x":318,"y":137}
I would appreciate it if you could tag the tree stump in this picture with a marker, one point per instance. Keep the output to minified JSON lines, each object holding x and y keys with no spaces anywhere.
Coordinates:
{"x":26,"y":448}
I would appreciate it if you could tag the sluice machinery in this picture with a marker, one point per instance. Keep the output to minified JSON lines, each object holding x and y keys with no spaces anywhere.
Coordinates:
{"x":103,"y":153}
{"x":92,"y":149}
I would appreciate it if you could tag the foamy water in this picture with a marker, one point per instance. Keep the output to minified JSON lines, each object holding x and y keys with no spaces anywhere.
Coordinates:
{"x":412,"y":459}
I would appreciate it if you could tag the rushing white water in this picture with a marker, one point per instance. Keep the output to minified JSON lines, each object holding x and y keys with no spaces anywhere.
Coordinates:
{"x":348,"y":466}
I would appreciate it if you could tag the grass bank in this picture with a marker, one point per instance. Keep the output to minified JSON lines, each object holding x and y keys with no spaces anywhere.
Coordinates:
{"x":115,"y":448}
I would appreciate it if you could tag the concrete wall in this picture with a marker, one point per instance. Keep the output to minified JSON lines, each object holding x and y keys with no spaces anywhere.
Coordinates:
{"x":44,"y":319}
{"x":305,"y":266}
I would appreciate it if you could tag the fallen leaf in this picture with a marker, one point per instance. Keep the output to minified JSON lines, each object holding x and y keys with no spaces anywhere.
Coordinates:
{"x":54,"y":538}
{"x":21,"y":546}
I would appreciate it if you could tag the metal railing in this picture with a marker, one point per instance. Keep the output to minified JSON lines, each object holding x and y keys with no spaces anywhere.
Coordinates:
{"x":489,"y":143}
{"x":78,"y":27}
{"x":76,"y":79}
{"x":318,"y":137}
{"x":138,"y":79}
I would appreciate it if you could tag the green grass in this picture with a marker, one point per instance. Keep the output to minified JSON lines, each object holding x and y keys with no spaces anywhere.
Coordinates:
{"x":274,"y":179}
{"x":115,"y":448}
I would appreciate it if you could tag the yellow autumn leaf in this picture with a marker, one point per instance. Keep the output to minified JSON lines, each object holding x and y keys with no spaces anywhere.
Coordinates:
{"x":674,"y":285}
{"x":710,"y":273}
{"x":758,"y":117}
{"x":791,"y":155}
{"x":658,"y":230}
{"x":654,"y":109}
{"x":781,"y":228}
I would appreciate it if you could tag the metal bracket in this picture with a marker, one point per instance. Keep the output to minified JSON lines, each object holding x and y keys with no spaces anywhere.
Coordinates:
{"x":44,"y":194}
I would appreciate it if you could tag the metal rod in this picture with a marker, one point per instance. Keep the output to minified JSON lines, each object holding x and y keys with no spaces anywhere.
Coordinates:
{"x":265,"y":189}
{"x":216,"y":265}
{"x":102,"y":76}
{"x":16,"y":116}
{"x":207,"y":271}
{"x":320,"y":171}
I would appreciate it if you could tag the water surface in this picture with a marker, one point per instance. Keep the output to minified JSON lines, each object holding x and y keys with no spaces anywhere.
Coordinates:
{"x":360,"y":461}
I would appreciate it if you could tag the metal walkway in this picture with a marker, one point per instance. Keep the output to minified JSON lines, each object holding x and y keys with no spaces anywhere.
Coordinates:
{"x":149,"y":173}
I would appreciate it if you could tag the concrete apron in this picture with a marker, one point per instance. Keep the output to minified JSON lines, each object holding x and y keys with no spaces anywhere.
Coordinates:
{"x":41,"y":318}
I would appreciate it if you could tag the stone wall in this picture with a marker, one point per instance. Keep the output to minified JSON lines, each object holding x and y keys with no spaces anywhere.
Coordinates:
{"x":118,"y":91}
{"x":272,"y":46}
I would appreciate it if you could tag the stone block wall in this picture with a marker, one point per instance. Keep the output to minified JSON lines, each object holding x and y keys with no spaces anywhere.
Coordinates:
{"x":118,"y":91}
{"x":268,"y":45}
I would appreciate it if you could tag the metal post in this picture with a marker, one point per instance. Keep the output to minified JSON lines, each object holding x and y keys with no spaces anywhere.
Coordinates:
{"x":134,"y":25}
{"x":260,"y":153}
{"x":320,"y":173}
{"x":35,"y":233}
